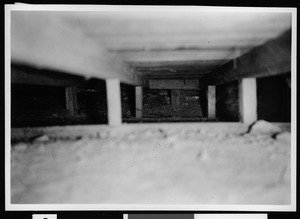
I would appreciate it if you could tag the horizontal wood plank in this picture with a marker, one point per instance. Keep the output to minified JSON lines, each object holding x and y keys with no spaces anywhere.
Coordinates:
{"x":174,"y":84}
{"x":32,"y":76}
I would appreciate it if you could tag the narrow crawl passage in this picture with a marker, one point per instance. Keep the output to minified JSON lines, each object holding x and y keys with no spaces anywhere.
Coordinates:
{"x":182,"y":163}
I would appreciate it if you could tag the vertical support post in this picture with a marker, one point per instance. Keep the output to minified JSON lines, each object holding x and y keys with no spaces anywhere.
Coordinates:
{"x":138,"y":102}
{"x":248,"y":100}
{"x":71,"y":100}
{"x":237,"y":53}
{"x":114,"y":110}
{"x":211,"y":102}
{"x":175,"y":98}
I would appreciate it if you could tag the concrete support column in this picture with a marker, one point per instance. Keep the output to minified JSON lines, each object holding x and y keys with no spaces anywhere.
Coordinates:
{"x":138,"y":102}
{"x":71,"y":100}
{"x":114,"y":110}
{"x":175,"y":98}
{"x":247,"y":100}
{"x":211,"y":102}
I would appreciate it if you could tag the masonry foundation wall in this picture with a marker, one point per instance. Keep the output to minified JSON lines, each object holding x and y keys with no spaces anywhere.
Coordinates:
{"x":158,"y":104}
{"x":37,"y":105}
{"x":42,"y":105}
{"x":274,"y":98}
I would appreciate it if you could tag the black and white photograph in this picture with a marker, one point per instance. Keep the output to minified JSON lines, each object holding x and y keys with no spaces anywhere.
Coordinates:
{"x":150,"y":107}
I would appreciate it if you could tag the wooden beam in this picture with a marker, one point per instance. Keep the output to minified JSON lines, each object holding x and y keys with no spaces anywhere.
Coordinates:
{"x":163,"y":70}
{"x":71,"y":100}
{"x":272,"y":58}
{"x":173,"y":77}
{"x":33,"y":76}
{"x":177,"y":48}
{"x":174,"y":84}
{"x":195,"y":68}
{"x":174,"y":55}
{"x":248,"y":100}
{"x":191,"y":64}
{"x":114,"y":111}
{"x":211,"y":102}
{"x":138,"y":102}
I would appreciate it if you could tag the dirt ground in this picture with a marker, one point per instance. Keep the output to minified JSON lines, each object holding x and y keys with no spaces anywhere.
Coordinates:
{"x":157,"y":163}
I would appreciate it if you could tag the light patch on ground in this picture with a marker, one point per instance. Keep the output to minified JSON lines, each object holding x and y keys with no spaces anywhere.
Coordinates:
{"x":175,"y":163}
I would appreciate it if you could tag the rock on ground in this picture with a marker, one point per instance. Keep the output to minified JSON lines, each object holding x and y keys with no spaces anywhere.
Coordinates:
{"x":264,"y":127}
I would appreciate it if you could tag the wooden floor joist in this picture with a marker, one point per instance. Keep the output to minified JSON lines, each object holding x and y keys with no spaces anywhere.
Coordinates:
{"x":179,"y":84}
{"x":138,"y":102}
{"x":175,"y":98}
{"x":71,"y":100}
{"x":211,"y":101}
{"x":272,"y":58}
{"x":23,"y":74}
